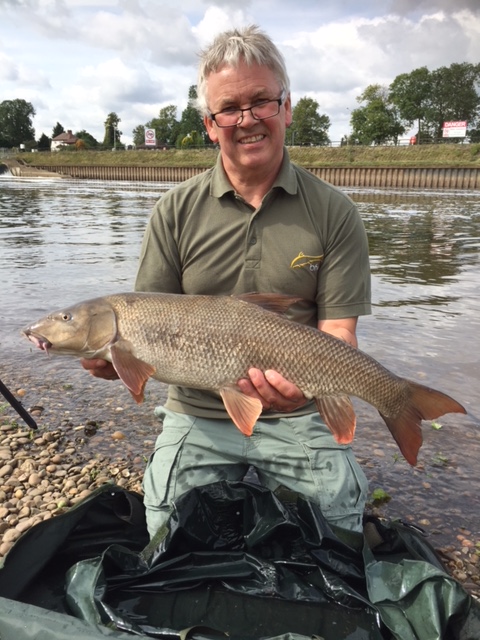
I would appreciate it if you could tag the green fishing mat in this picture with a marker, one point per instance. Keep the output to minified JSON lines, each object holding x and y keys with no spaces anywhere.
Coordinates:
{"x":234,"y":560}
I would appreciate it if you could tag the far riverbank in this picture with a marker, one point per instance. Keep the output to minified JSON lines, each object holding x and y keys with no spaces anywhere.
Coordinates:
{"x":428,"y":167}
{"x":414,"y":156}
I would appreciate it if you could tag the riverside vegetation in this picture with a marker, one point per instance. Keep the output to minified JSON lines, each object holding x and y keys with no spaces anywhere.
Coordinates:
{"x":431,"y":155}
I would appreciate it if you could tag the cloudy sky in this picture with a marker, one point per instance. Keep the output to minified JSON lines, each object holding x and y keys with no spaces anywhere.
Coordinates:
{"x":78,"y":60}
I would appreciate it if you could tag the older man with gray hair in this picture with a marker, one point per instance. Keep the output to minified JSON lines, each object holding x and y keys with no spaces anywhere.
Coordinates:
{"x":255,"y":222}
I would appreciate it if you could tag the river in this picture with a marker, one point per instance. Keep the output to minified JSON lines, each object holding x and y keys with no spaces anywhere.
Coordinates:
{"x":63,"y":240}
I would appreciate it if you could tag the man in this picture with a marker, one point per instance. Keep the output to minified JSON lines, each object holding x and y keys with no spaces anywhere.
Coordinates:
{"x":255,"y":222}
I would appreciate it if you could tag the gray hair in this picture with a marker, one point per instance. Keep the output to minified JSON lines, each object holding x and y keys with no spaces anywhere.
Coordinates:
{"x":248,"y":44}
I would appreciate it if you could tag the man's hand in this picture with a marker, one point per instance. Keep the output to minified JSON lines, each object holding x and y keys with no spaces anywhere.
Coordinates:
{"x":278,"y":394}
{"x":99,"y":368}
{"x":273,"y":390}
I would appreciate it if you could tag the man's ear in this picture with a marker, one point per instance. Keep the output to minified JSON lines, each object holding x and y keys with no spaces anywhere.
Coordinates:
{"x":211,"y":129}
{"x":288,"y":111}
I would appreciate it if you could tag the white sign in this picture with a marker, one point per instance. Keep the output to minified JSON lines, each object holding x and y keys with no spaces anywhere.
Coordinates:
{"x":150,"y":137}
{"x":455,"y":129}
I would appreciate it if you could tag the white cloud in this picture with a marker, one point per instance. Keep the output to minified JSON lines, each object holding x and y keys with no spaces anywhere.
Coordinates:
{"x":77,"y":60}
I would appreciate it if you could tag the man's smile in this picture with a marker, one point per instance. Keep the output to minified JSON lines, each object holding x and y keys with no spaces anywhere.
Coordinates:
{"x":252,"y":139}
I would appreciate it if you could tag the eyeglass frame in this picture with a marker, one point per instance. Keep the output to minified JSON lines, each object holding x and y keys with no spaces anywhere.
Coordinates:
{"x":279,"y":101}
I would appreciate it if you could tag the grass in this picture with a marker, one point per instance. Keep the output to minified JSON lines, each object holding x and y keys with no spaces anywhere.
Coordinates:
{"x":452,"y":155}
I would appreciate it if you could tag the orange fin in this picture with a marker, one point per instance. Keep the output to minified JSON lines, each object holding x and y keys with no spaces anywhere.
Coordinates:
{"x":339,"y":416}
{"x":243,"y":410}
{"x":275,"y":302}
{"x":134,"y":373}
{"x":424,"y":404}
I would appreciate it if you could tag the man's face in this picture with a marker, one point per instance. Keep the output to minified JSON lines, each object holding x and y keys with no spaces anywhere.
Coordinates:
{"x":253,"y":144}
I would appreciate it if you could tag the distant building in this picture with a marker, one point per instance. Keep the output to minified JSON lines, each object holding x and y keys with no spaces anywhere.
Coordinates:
{"x":65,"y":139}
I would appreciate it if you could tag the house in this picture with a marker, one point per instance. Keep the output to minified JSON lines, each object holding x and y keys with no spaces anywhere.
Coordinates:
{"x":65,"y":139}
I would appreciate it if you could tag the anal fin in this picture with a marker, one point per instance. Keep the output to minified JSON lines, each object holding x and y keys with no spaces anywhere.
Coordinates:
{"x":339,"y":416}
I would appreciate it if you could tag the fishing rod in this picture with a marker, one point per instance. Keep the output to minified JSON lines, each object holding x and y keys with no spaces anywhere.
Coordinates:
{"x":18,"y":406}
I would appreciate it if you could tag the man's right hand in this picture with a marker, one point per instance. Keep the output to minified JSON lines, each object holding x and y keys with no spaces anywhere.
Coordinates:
{"x":99,"y":368}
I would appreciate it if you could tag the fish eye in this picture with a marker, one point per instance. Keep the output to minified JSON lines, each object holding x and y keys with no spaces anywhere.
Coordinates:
{"x":66,"y":317}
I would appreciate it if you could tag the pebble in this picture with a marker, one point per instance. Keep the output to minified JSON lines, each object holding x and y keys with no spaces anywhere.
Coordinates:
{"x":49,"y":478}
{"x":44,"y":474}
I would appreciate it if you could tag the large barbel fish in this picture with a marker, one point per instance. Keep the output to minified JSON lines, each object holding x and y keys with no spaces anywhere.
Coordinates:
{"x":210,"y":342}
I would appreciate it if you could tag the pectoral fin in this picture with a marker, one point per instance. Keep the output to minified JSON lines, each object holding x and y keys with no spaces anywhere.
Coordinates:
{"x":339,"y":416}
{"x":133,"y":372}
{"x":243,"y":410}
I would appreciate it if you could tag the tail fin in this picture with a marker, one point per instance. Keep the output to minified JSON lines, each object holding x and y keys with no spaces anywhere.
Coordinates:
{"x":424,"y":404}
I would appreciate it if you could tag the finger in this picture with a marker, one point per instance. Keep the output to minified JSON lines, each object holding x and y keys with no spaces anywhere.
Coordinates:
{"x":245,"y":385}
{"x":264,"y":390}
{"x":99,"y":368}
{"x":89,"y":364}
{"x":284,"y":387}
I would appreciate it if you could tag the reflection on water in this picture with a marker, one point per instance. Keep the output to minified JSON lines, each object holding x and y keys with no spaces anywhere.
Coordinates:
{"x":62,"y":241}
{"x":425,"y":258}
{"x":65,"y":240}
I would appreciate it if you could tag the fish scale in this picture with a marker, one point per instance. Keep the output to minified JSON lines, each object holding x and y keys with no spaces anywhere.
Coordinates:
{"x":210,"y":342}
{"x":220,"y":338}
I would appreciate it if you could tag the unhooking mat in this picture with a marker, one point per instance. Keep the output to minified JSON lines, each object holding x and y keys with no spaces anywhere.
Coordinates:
{"x":234,"y":561}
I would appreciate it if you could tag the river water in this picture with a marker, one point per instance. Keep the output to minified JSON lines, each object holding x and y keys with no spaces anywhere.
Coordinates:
{"x":62,"y":241}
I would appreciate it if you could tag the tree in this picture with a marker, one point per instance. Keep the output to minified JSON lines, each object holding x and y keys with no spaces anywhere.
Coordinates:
{"x":192,"y":139}
{"x":16,"y":123}
{"x":166,"y":125}
{"x":138,"y":135}
{"x":89,"y":141}
{"x":432,"y":97}
{"x":455,"y":96}
{"x":378,"y":121}
{"x":44,"y":143}
{"x":191,"y":121}
{"x":309,"y":126}
{"x":411,"y":93}
{"x":112,"y":133}
{"x":57,"y":130}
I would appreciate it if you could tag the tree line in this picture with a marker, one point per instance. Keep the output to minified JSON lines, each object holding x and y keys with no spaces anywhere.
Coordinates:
{"x":422,"y":98}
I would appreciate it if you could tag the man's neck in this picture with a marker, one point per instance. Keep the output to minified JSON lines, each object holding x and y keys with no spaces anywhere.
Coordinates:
{"x":253,"y":185}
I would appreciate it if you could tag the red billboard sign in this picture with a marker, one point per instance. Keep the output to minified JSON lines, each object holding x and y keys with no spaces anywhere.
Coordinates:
{"x":455,"y":129}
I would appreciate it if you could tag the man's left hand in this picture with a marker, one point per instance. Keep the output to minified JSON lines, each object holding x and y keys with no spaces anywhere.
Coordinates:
{"x":273,"y":390}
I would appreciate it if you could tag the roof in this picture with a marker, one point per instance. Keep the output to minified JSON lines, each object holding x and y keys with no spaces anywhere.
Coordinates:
{"x":67,"y":137}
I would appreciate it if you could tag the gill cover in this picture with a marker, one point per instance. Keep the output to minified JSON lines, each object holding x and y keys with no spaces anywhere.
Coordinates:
{"x":85,"y":329}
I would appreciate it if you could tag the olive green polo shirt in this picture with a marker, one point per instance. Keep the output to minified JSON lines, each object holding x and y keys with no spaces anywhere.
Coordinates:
{"x":306,"y":239}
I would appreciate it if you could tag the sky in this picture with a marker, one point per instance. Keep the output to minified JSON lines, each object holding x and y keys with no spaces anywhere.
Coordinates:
{"x":78,"y":60}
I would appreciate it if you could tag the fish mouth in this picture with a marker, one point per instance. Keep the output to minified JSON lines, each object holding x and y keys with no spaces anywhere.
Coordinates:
{"x":38,"y":340}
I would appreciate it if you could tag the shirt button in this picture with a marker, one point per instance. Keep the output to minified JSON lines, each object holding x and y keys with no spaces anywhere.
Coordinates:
{"x":252,"y":241}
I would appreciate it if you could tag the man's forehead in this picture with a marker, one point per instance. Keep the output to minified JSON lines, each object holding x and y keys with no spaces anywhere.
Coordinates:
{"x":239,"y":83}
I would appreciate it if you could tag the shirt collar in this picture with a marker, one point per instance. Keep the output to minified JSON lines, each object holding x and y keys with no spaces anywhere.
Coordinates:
{"x":286,"y":179}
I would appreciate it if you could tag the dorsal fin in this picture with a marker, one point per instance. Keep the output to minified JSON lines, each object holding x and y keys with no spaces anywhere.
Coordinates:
{"x":275,"y":302}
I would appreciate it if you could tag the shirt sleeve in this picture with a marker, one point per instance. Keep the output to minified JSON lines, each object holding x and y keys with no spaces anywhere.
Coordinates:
{"x":159,"y":267}
{"x":344,"y":282}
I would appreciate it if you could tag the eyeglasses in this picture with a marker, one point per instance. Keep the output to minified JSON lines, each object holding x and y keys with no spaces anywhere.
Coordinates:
{"x":260,"y":111}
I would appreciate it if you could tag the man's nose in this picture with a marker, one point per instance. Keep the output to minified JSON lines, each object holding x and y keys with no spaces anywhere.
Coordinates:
{"x":248,"y":120}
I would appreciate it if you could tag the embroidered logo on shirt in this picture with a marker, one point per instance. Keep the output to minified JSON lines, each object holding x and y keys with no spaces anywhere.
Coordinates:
{"x":306,"y":262}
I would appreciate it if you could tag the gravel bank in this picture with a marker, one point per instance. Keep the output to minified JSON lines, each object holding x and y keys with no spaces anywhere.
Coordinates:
{"x":91,"y":433}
